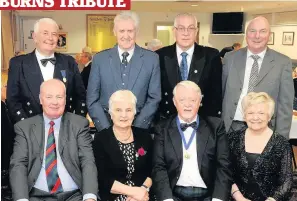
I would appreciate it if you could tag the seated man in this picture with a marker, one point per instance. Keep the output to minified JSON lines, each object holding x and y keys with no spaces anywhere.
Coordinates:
{"x":53,"y":157}
{"x":191,"y":155}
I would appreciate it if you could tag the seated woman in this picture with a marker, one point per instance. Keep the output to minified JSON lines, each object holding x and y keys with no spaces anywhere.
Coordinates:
{"x":262,"y":159}
{"x":123,"y":153}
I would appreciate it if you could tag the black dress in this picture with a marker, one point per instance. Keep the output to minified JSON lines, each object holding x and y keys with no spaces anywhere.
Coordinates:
{"x":271,"y":173}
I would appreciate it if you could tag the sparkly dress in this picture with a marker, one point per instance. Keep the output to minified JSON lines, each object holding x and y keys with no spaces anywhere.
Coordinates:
{"x":128,"y":151}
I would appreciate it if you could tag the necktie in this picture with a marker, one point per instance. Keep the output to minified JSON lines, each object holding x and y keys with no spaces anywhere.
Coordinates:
{"x":52,"y":177}
{"x":184,"y":126}
{"x":254,"y":73}
{"x":124,"y":60}
{"x":184,"y":66}
{"x":44,"y":61}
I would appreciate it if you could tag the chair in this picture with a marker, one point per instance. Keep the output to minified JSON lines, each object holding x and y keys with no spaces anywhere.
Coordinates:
{"x":293,"y":142}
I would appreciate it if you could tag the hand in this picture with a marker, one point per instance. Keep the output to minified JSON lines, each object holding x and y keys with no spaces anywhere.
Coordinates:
{"x":242,"y":199}
{"x":130,"y":199}
{"x":140,"y":194}
{"x":90,"y":199}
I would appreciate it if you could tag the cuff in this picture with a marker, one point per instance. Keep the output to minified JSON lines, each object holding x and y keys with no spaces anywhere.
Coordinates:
{"x":89,"y":196}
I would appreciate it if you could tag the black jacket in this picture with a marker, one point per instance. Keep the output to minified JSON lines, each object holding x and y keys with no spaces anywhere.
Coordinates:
{"x":25,"y":78}
{"x":85,"y":74}
{"x":205,"y":70}
{"x":110,"y":162}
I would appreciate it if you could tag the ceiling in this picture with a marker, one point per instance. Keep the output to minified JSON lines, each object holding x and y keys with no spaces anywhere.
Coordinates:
{"x":253,"y":7}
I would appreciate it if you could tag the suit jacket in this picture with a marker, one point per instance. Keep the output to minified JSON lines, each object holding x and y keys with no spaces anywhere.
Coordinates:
{"x":25,"y":78}
{"x":105,"y":79}
{"x":75,"y":149}
{"x":275,"y":78}
{"x":205,"y":70}
{"x":212,"y":155}
{"x":85,"y":74}
{"x":272,"y":170}
{"x":111,"y":164}
{"x":225,"y":50}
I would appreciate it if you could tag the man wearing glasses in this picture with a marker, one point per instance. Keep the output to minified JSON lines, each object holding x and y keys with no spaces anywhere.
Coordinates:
{"x":186,"y":60}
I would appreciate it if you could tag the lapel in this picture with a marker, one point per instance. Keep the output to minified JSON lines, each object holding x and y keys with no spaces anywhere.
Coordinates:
{"x":135,"y":66}
{"x":176,"y":140}
{"x":202,"y":136}
{"x":31,"y":70}
{"x":240,"y":63}
{"x":63,"y":133}
{"x":115,"y":65}
{"x":266,"y":66}
{"x":172,"y":67}
{"x":60,"y":66}
{"x":38,"y":132}
{"x":197,"y":64}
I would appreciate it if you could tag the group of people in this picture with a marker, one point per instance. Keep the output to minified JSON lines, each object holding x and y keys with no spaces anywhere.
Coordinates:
{"x":219,"y":131}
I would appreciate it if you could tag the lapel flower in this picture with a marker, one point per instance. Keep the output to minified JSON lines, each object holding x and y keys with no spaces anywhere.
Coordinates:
{"x":140,"y":152}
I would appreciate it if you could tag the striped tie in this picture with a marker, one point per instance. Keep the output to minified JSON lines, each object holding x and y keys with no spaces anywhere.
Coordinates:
{"x":254,"y":73}
{"x":52,"y":177}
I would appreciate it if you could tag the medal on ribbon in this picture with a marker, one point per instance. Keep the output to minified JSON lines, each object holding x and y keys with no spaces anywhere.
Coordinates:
{"x":63,"y":72}
{"x":187,"y":155}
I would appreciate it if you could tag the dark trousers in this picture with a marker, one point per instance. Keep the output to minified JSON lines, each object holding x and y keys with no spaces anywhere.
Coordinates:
{"x":183,"y":193}
{"x":39,"y":195}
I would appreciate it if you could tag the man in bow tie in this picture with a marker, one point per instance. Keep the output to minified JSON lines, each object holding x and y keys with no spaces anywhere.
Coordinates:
{"x":27,"y":72}
{"x":191,"y":155}
{"x":125,"y":66}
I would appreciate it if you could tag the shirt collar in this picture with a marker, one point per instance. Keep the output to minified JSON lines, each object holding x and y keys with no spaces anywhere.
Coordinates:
{"x":190,"y":51}
{"x":130,"y":51}
{"x":261,"y":54}
{"x":182,"y":121}
{"x":47,"y":121}
{"x":88,"y":63}
{"x":40,"y":56}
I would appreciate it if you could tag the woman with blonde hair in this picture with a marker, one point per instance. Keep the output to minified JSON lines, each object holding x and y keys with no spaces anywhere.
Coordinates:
{"x":262,"y":159}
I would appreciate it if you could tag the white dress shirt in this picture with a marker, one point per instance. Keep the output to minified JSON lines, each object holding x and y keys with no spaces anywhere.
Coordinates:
{"x":248,"y":68}
{"x":190,"y":53}
{"x":189,"y":175}
{"x":48,"y":70}
{"x":131,"y":52}
{"x":66,"y":180}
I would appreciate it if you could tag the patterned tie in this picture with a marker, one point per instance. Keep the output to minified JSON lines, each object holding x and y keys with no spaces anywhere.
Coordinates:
{"x":254,"y":73}
{"x":124,"y":60}
{"x":184,"y":66}
{"x":52,"y":177}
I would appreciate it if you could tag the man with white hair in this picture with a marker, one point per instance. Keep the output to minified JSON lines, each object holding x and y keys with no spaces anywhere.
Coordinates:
{"x":154,"y":44}
{"x":27,"y":72}
{"x":186,"y":60}
{"x":191,"y":153}
{"x":125,"y":66}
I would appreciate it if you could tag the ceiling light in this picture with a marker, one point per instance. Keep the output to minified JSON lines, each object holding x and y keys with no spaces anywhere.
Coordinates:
{"x":194,"y":5}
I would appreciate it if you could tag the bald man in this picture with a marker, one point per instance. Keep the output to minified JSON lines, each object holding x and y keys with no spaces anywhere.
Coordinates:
{"x":260,"y":69}
{"x":52,"y":157}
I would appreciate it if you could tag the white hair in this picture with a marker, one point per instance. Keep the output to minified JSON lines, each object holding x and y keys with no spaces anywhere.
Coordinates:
{"x":189,"y":85}
{"x":127,"y":15}
{"x":87,"y":49}
{"x":154,"y":44}
{"x":44,"y":20}
{"x":122,"y":95}
{"x":182,"y":15}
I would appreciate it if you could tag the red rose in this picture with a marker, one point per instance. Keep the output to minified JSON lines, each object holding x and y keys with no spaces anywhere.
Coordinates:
{"x":141,"y":151}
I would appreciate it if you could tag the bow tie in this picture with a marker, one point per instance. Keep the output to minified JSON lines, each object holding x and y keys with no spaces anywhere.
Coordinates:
{"x":44,"y":61}
{"x":184,"y":126}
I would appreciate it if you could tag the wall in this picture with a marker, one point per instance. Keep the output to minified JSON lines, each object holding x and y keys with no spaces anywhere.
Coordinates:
{"x":75,"y":25}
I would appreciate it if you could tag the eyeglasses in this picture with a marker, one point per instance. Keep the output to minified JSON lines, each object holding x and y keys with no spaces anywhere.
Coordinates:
{"x":183,"y":29}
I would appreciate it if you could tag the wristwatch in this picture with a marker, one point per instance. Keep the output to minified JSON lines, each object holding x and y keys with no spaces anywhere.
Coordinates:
{"x":146,"y":188}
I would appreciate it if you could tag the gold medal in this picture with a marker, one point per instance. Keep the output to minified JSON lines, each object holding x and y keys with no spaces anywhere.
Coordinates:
{"x":187,"y":156}
{"x":64,"y":79}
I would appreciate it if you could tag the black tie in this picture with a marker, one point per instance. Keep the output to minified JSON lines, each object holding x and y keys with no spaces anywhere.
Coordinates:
{"x":184,"y":126}
{"x":124,"y":61}
{"x":44,"y":61}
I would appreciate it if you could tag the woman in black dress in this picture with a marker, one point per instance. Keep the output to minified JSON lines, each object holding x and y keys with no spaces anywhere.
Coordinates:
{"x":123,"y":153}
{"x":262,"y":159}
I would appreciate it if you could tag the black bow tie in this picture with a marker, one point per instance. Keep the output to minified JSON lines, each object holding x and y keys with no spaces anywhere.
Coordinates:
{"x":184,"y":126}
{"x":44,"y":61}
